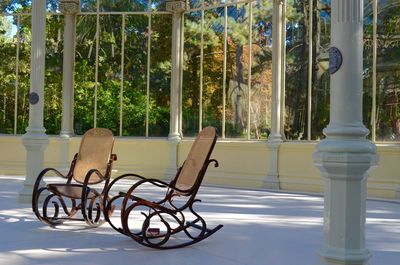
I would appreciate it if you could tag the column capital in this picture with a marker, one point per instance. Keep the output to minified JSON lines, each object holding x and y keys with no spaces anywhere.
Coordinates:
{"x":177,"y":6}
{"x":69,"y":7}
{"x":347,"y":11}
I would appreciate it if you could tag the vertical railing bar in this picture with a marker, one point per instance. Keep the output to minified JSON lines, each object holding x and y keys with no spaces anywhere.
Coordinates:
{"x":201,"y":68}
{"x":121,"y":94}
{"x":97,"y":62}
{"x":249,"y":71}
{"x":374,"y":59}
{"x":310,"y":58}
{"x":283,"y":69}
{"x":181,"y":75}
{"x":148,"y":69}
{"x":224,"y":72}
{"x":17,"y":74}
{"x":4,"y":106}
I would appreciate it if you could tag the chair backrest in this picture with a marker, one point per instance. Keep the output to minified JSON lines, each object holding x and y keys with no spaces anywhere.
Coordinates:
{"x":94,"y":153}
{"x":193,"y":169}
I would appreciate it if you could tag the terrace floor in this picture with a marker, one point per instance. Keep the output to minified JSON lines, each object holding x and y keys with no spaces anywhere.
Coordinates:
{"x":260,"y":227}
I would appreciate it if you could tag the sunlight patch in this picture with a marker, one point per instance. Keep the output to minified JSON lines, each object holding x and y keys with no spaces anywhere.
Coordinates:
{"x":11,"y":220}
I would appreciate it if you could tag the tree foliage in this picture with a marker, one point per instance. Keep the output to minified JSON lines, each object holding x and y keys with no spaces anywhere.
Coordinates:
{"x":202,"y":86}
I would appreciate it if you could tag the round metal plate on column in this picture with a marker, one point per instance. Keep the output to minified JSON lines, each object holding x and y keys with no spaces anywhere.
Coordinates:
{"x":33,"y":98}
{"x":335,"y":60}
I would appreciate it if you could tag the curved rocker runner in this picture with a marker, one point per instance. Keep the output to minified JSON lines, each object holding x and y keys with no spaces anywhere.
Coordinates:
{"x":176,"y":223}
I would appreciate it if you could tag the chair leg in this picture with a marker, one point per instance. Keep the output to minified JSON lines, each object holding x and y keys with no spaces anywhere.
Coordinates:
{"x":166,"y":239}
{"x":54,"y":201}
{"x":57,"y":205}
{"x":208,"y":231}
{"x":92,"y":212}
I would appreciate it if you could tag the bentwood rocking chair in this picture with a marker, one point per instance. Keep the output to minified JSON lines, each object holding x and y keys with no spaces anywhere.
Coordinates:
{"x":91,"y":165}
{"x":170,"y":221}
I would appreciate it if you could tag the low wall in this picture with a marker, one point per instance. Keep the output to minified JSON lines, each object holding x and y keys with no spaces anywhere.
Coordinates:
{"x":242,"y":163}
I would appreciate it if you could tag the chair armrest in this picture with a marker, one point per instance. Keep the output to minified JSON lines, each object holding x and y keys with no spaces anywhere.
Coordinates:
{"x":89,"y":175}
{"x":39,"y":179}
{"x":108,"y":201}
{"x":85,"y":184}
{"x":49,"y":169}
{"x":130,"y":175}
{"x":156,"y":182}
{"x":73,"y":163}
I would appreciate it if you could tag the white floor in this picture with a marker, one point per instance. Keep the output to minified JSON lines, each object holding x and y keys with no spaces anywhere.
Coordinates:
{"x":260,"y":227}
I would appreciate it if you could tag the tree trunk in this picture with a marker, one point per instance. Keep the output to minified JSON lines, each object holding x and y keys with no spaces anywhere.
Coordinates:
{"x":239,"y":90}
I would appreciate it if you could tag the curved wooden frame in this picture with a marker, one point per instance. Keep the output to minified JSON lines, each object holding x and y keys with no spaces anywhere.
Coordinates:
{"x":80,"y":194}
{"x":164,"y":209}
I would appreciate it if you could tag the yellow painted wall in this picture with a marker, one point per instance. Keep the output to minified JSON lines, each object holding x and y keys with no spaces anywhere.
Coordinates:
{"x":242,"y":163}
{"x":148,"y":157}
{"x":296,"y":167}
{"x":12,"y":156}
{"x":384,"y":180}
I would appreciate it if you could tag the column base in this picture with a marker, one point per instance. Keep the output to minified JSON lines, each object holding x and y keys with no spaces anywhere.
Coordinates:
{"x":173,"y":154}
{"x":25,"y":195}
{"x":275,"y":138}
{"x":271,"y":181}
{"x":345,"y":165}
{"x":65,"y":162}
{"x":397,"y":195}
{"x":332,"y":256}
{"x":35,"y":143}
{"x":174,"y":137}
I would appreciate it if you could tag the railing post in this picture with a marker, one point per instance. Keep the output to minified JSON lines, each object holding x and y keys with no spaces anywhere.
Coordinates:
{"x":35,"y":139}
{"x":345,"y":157}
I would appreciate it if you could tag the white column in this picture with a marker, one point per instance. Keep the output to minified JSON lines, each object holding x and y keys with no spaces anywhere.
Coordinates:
{"x":345,"y":156}
{"x":69,"y":8}
{"x":283,"y":69}
{"x":35,"y":139}
{"x":310,"y":67}
{"x":177,"y":8}
{"x":275,"y":138}
{"x":374,"y":61}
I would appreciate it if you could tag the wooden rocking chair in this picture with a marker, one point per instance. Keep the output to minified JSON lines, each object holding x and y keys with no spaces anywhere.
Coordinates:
{"x":171,"y":221}
{"x":91,"y":165}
